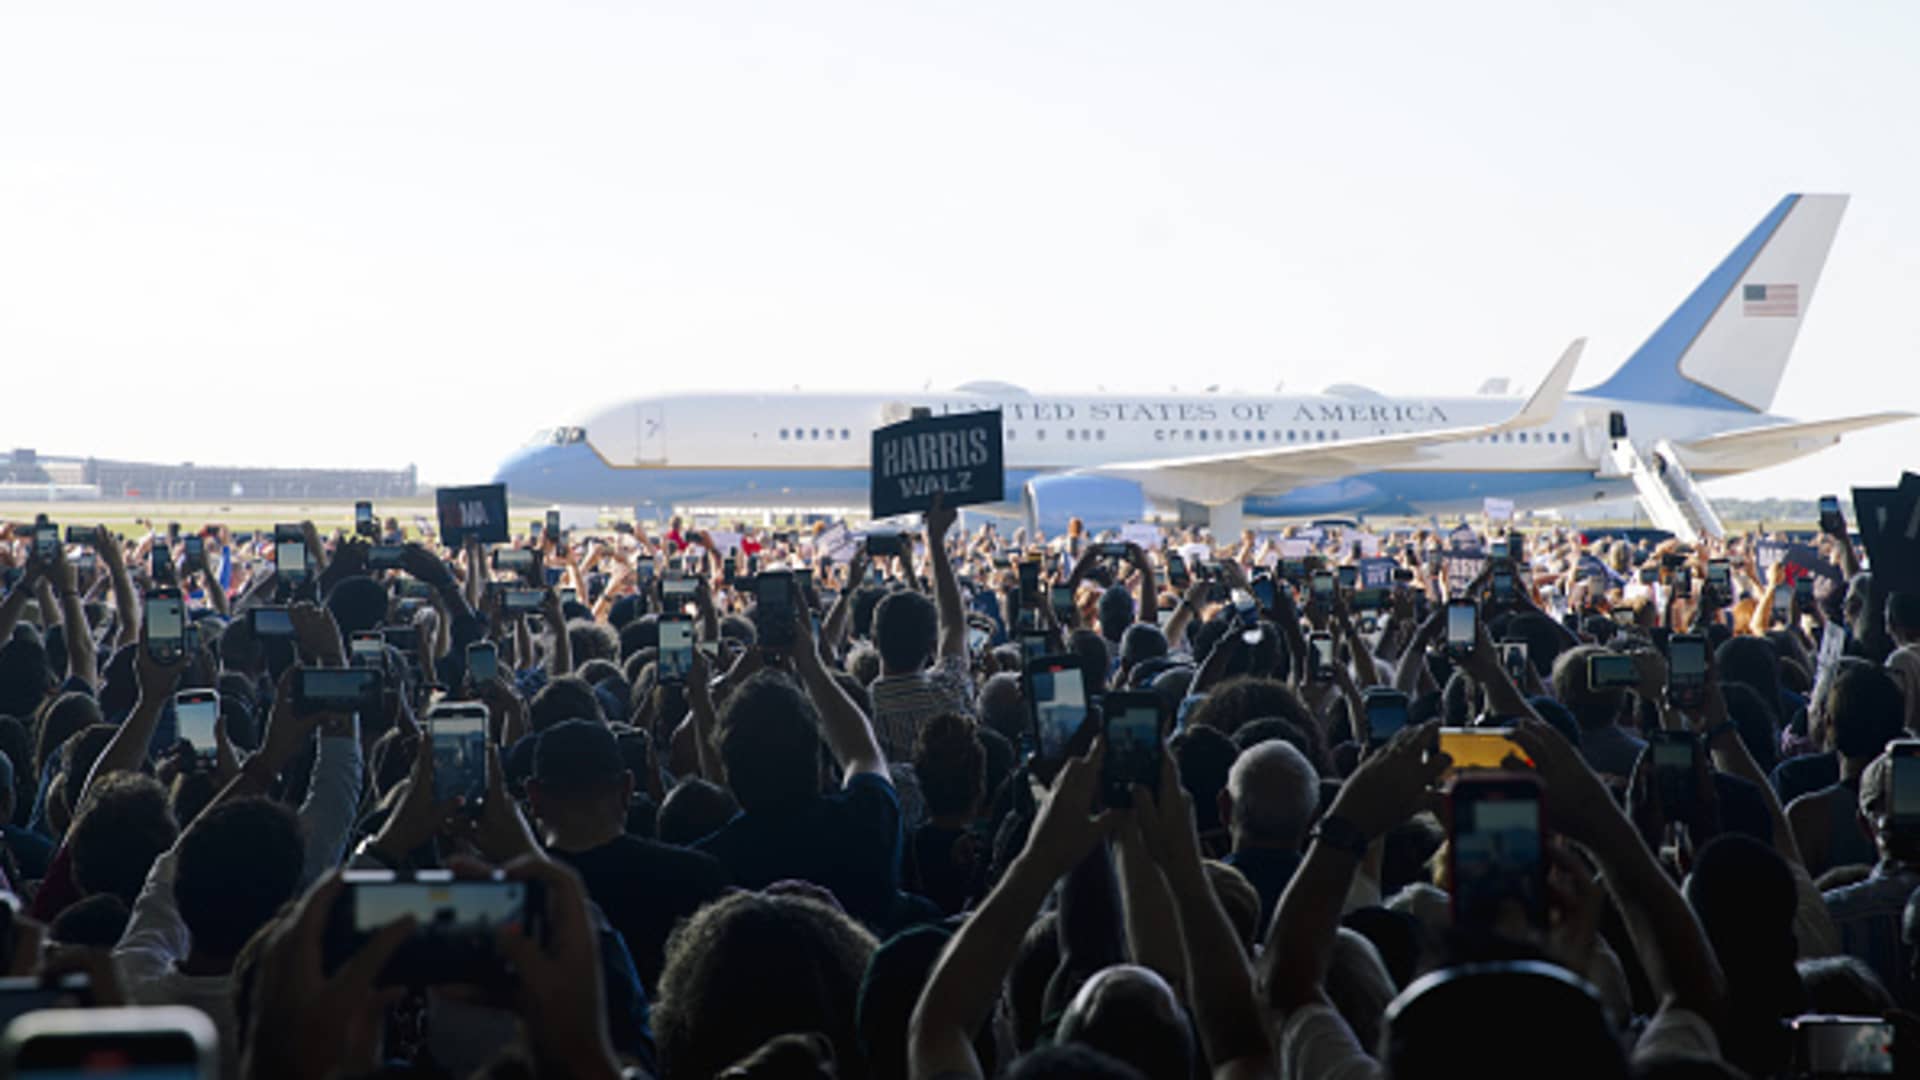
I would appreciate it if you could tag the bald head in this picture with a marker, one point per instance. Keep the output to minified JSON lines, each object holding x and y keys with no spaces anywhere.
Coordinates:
{"x":1273,"y":790}
{"x":1130,"y":1013}
{"x":1000,"y":706}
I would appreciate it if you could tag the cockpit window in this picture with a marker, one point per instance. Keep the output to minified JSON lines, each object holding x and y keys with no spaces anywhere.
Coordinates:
{"x":561,"y":436}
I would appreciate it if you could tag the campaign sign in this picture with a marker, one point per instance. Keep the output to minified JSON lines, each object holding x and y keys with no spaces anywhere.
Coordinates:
{"x":958,"y":458}
{"x":479,"y":512}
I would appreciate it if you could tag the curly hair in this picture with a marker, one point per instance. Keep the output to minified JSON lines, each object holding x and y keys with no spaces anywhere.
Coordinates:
{"x":719,"y":997}
{"x":951,"y":764}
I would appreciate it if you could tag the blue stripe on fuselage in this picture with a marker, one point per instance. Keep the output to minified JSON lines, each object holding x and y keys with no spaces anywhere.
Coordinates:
{"x":574,"y":474}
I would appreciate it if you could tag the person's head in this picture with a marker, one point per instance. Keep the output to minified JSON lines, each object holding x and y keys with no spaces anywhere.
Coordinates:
{"x":122,"y":827}
{"x":1270,"y":797}
{"x":1866,"y":710}
{"x":1903,"y":618}
{"x":1001,"y":706}
{"x":770,"y":742}
{"x":906,"y":630}
{"x":1591,"y":707}
{"x":1359,"y":985}
{"x":358,"y":603}
{"x":1205,"y":757}
{"x":951,"y":765}
{"x":25,"y":675}
{"x":1131,"y":1014}
{"x":568,"y":697}
{"x":889,"y":991}
{"x":1116,"y":612}
{"x":1096,"y":658}
{"x":641,"y":633}
{"x":237,"y":865}
{"x":793,"y":1056}
{"x":1071,"y":1061}
{"x":1143,"y":641}
{"x":1904,"y":665}
{"x":1545,"y":1013}
{"x":97,"y":922}
{"x":592,"y":641}
{"x":581,"y":787}
{"x":1753,"y":662}
{"x":751,"y":966}
{"x":1745,"y":898}
{"x":1755,"y":723}
{"x":69,"y":713}
{"x":694,"y":809}
{"x":77,"y":756}
{"x":1241,"y":701}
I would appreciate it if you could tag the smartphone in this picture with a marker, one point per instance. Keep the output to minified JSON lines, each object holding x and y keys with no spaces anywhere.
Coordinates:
{"x":676,"y":648}
{"x":1516,"y":545}
{"x":678,"y":590}
{"x":46,"y":540}
{"x":1515,"y":655}
{"x":363,"y":523}
{"x":1060,"y":600}
{"x":385,"y":557}
{"x":458,"y":732}
{"x":1293,"y":569}
{"x":1831,"y":523}
{"x":1611,"y":671}
{"x":1483,"y":748}
{"x":553,"y":526}
{"x":773,"y":610}
{"x":336,"y":690}
{"x":1803,"y":593}
{"x":1782,"y":605}
{"x":1320,"y":593}
{"x":164,"y":1042}
{"x":1386,"y":714}
{"x":269,"y":621}
{"x":22,"y":994}
{"x":1463,"y":627}
{"x":1034,"y":644}
{"x":1720,"y":579}
{"x":483,"y":662}
{"x":1030,"y":583}
{"x":290,"y":560}
{"x":1837,"y":1046}
{"x":1502,"y":585}
{"x":977,"y":640}
{"x":1265,"y":593}
{"x":1320,"y":649}
{"x":160,"y":562}
{"x":455,"y":923}
{"x":1903,"y":806}
{"x":522,"y":601}
{"x":1348,"y":576}
{"x":194,"y":713}
{"x":1111,"y":550}
{"x":1675,"y":755}
{"x":1056,"y":704}
{"x":81,"y":534}
{"x":1686,"y":671}
{"x":1177,"y":575}
{"x":166,"y":624}
{"x":882,"y":544}
{"x":1131,"y":723}
{"x":1497,"y":549}
{"x":402,"y":637}
{"x":1499,"y":865}
{"x":367,"y":649}
{"x":1649,"y":575}
{"x":1369,"y":599}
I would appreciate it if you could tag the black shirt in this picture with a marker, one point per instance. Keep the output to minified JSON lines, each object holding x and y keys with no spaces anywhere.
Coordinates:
{"x":947,"y":866}
{"x":645,"y":888}
{"x":848,"y":843}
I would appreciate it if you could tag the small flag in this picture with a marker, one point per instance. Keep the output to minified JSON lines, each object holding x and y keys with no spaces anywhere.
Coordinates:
{"x":1774,"y":300}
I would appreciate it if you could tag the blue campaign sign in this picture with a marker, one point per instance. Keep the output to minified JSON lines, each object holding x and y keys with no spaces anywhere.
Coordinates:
{"x":479,"y":512}
{"x":959,"y":458}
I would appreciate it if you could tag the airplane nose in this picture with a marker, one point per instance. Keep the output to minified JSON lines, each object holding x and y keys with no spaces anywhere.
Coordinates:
{"x":523,"y":468}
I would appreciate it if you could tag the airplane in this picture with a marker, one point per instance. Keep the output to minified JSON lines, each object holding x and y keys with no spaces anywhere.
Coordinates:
{"x":1691,"y":403}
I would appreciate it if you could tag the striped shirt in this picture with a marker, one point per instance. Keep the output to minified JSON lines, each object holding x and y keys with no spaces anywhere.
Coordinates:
{"x":901,"y":703}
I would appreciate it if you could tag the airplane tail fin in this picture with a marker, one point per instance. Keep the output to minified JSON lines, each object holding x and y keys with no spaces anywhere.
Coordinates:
{"x":1726,"y":345}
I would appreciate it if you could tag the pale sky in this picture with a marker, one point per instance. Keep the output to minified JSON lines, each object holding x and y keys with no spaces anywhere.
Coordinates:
{"x":378,"y":233}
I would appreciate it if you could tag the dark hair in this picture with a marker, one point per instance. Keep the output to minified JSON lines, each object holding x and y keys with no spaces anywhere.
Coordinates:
{"x":357,"y":603}
{"x":115,"y":837}
{"x":591,"y":641}
{"x":865,"y":600}
{"x":99,"y":921}
{"x":25,"y":674}
{"x":1755,"y":723}
{"x":69,"y":713}
{"x":1867,"y":710}
{"x":1755,"y":662}
{"x":889,"y":991}
{"x":1237,"y":701}
{"x":1142,"y":642}
{"x":1903,"y":611}
{"x":18,"y":746}
{"x":693,"y":809}
{"x":770,"y":742}
{"x":1116,"y":612}
{"x":1096,"y":658}
{"x":1205,"y":756}
{"x":77,"y":756}
{"x":641,"y":633}
{"x":951,"y":764}
{"x":238,"y":864}
{"x":906,"y":630}
{"x":568,"y":697}
{"x":718,"y":999}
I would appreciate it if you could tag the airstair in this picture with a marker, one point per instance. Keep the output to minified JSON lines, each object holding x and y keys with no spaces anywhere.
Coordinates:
{"x":1672,"y":500}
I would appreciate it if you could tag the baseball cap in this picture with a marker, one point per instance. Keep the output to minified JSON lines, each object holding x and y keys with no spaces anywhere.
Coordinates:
{"x":577,"y":754}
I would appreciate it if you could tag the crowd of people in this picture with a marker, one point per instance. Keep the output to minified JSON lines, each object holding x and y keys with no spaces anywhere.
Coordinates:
{"x":960,"y":801}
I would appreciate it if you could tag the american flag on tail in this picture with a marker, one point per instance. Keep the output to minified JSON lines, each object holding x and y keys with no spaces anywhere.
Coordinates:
{"x":1775,"y":300}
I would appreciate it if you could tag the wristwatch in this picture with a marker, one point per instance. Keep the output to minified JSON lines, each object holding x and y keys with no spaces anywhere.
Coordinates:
{"x":1717,"y":730}
{"x":1341,"y":835}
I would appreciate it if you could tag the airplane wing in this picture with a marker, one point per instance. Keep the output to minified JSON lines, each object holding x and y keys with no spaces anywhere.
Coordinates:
{"x":1753,"y":447}
{"x":1219,"y":478}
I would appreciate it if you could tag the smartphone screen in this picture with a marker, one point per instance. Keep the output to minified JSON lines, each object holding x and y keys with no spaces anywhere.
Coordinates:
{"x":1499,"y":869}
{"x":1483,"y":748}
{"x":1463,"y":626}
{"x":521,"y":601}
{"x":1515,"y":657}
{"x":773,"y":608}
{"x":676,"y":649}
{"x":166,"y":623}
{"x":385,"y":556}
{"x":65,"y":1043}
{"x":369,"y":649}
{"x":1029,"y":580}
{"x":1057,"y":700}
{"x":1177,"y":571}
{"x":194,"y":713}
{"x":1610,"y":671}
{"x":363,"y":517}
{"x":1323,"y":660}
{"x":483,"y":662}
{"x":1687,"y":664}
{"x":1349,"y":576}
{"x":1322,"y":589}
{"x":1386,"y":715}
{"x":1264,"y":594}
{"x":1060,"y":598}
{"x":1844,"y":1046}
{"x":459,"y":733}
{"x":290,"y":559}
{"x":1132,"y":729}
{"x":1503,"y":586}
{"x":456,"y":923}
{"x":335,"y":689}
{"x":1033,"y":644}
{"x":271,"y":622}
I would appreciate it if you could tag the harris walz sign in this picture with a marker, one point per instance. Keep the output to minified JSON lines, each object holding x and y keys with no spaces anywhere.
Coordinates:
{"x":958,"y":457}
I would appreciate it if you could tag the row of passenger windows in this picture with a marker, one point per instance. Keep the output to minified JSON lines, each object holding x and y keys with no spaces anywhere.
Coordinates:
{"x":1192,"y":435}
